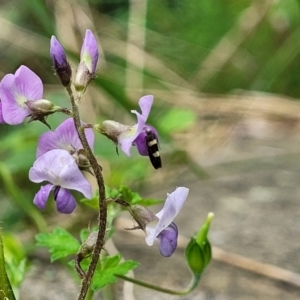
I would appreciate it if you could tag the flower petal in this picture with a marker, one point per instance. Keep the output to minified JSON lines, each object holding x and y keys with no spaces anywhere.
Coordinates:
{"x":28,"y":84}
{"x":14,"y":112}
{"x":59,"y":168}
{"x":89,"y":51}
{"x":141,"y":143}
{"x":1,"y":115}
{"x":15,"y":90}
{"x":168,"y":240}
{"x":65,"y":202}
{"x":127,"y":137}
{"x":145,"y":104}
{"x":57,"y":53}
{"x":42,"y":195}
{"x":64,"y":137}
{"x":168,"y":213}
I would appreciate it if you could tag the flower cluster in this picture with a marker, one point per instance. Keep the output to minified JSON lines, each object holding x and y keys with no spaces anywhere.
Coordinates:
{"x":60,"y":154}
{"x":61,"y":157}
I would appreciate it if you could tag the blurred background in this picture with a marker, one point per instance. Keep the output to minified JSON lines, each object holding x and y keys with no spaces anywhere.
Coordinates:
{"x":225,"y":79}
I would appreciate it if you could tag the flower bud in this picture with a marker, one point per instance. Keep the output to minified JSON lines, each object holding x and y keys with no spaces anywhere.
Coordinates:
{"x":81,"y":160}
{"x":89,"y":52}
{"x":84,"y":251}
{"x":195,"y":258}
{"x":82,"y":78}
{"x":60,"y":63}
{"x":198,"y":252}
{"x":40,"y":109}
{"x":111,"y":129}
{"x":88,"y":62}
{"x":88,"y":246}
{"x":142,"y":215}
{"x":42,"y":106}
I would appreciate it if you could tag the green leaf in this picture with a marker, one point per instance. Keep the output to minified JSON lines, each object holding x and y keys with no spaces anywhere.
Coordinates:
{"x":93,"y":203}
{"x":134,"y":198}
{"x":111,"y":192}
{"x":60,"y":243}
{"x":16,"y":271}
{"x":14,"y":258}
{"x":5,"y":286}
{"x":129,"y":196}
{"x":109,"y":267}
{"x":150,"y":201}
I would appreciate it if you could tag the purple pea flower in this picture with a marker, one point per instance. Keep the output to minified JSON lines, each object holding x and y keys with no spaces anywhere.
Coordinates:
{"x":161,"y":226}
{"x":129,"y":136}
{"x":59,"y":168}
{"x":141,"y":135}
{"x":21,"y":96}
{"x":65,"y":137}
{"x":164,"y":229}
{"x":88,"y":62}
{"x":15,"y":90}
{"x":59,"y":59}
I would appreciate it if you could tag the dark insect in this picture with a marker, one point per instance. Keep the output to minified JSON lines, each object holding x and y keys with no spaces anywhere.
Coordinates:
{"x":152,"y":146}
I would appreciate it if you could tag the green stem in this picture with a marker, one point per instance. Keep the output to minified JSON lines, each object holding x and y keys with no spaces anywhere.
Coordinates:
{"x":87,"y":280}
{"x":6,"y":291}
{"x":89,"y":295}
{"x":193,"y":284}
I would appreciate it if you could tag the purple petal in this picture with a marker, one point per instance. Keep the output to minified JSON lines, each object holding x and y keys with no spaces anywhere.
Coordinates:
{"x":89,"y":51}
{"x":141,"y":144}
{"x":59,"y":168}
{"x":28,"y":84}
{"x":126,"y":138}
{"x":140,"y":141}
{"x":145,"y":104}
{"x":64,"y":137}
{"x":42,"y":195}
{"x":1,"y":115}
{"x":57,"y":53}
{"x":65,"y":202}
{"x":14,"y":112}
{"x":168,"y":213}
{"x":15,"y":90}
{"x":168,"y":240}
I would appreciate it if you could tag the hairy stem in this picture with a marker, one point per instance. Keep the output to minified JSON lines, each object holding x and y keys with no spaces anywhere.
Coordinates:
{"x":102,"y":216}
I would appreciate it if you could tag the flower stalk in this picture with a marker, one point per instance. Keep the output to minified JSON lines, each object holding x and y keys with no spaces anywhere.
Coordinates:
{"x":186,"y":291}
{"x":102,"y":216}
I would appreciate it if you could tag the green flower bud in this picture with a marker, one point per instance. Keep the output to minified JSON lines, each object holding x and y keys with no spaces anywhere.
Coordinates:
{"x":195,"y":258}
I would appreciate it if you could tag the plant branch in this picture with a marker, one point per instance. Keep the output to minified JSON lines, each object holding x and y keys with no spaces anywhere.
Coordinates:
{"x":102,"y":216}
